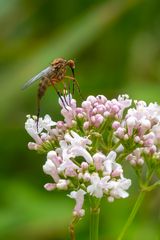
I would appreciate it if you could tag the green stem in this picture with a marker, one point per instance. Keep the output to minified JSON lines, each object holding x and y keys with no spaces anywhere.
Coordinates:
{"x":94,"y":223}
{"x":152,"y":187}
{"x":75,"y":220}
{"x":132,"y":215}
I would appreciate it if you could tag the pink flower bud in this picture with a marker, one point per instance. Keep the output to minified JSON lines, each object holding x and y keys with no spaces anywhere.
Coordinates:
{"x":86,"y":177}
{"x":92,"y":99}
{"x":87,"y":105}
{"x":50,"y":186}
{"x":115,"y":109}
{"x":140,"y":161}
{"x":137,"y":139}
{"x":98,"y":120}
{"x":70,"y":172}
{"x":120,"y":132}
{"x":52,"y":155}
{"x":84,"y":166}
{"x":94,"y":111}
{"x":80,"y":176}
{"x":131,"y":124}
{"x":101,"y":108}
{"x":98,"y":159}
{"x":62,"y":184}
{"x":106,"y":114}
{"x":101,"y":99}
{"x":146,"y":124}
{"x":152,"y":149}
{"x":115,"y":125}
{"x":86,"y":125}
{"x":33,"y":146}
{"x":110,"y":199}
{"x":80,"y":115}
{"x":126,"y":137}
{"x":50,"y":169}
{"x":93,"y":119}
{"x":60,"y":124}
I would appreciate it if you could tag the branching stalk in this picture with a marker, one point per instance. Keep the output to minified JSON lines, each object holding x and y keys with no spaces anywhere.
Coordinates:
{"x":132,"y":215}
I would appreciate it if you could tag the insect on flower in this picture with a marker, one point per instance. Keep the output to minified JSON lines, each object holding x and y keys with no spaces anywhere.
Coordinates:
{"x":51,"y":76}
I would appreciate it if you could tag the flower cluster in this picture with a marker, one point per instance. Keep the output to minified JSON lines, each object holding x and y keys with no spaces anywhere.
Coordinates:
{"x":141,"y":128}
{"x":86,"y":149}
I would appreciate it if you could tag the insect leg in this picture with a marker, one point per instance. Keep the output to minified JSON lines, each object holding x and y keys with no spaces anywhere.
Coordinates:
{"x":75,"y":82}
{"x":64,"y":94}
{"x":67,"y":90}
{"x":38,"y":111}
{"x":43,"y":85}
{"x":60,"y":96}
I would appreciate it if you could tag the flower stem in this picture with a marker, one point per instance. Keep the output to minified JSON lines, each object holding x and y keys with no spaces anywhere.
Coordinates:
{"x":94,"y":223}
{"x":132,"y":215}
{"x":72,"y":231}
{"x":72,"y":227}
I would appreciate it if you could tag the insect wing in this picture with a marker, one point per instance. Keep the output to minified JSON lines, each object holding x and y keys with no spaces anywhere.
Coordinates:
{"x":37,"y":77}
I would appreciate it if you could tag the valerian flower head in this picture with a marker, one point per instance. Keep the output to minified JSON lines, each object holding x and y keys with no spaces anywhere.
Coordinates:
{"x":85,"y":150}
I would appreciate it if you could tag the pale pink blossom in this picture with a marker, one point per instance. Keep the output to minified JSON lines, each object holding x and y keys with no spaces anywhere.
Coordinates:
{"x":79,"y":197}
{"x":62,"y":184}
{"x":98,"y":159}
{"x":117,"y":189}
{"x":50,"y":169}
{"x":96,"y":187}
{"x":50,"y":186}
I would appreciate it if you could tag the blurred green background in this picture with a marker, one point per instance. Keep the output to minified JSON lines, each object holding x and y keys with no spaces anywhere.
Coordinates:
{"x":116,"y":47}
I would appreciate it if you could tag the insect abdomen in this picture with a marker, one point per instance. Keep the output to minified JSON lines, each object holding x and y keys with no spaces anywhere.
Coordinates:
{"x":43,"y":85}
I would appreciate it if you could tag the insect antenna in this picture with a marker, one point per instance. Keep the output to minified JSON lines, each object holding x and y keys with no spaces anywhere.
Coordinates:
{"x":69,"y":92}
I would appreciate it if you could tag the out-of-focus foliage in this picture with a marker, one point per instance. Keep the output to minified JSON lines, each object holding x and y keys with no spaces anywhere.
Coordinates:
{"x":116,"y":46}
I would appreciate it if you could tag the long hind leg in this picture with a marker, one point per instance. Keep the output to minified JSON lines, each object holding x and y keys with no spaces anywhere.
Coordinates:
{"x":59,"y":94}
{"x":38,"y":111}
{"x":67,"y":91}
{"x":43,"y":85}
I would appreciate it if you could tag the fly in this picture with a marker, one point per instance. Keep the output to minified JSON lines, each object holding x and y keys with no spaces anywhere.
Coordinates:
{"x":51,"y":76}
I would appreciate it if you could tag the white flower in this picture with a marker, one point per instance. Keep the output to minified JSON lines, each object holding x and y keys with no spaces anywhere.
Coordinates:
{"x":117,"y":188}
{"x":79,"y":197}
{"x":74,"y":146}
{"x":62,"y":184}
{"x":48,"y":123}
{"x":96,"y":187}
{"x":31,"y":128}
{"x":110,"y":163}
{"x":67,"y":164}
{"x":98,"y":159}
{"x":75,"y":140}
{"x":52,"y":155}
{"x":50,"y":169}
{"x":80,"y":151}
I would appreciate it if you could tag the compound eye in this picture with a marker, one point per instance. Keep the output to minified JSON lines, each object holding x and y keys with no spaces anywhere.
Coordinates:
{"x":71,"y":64}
